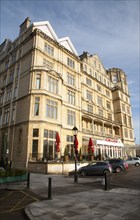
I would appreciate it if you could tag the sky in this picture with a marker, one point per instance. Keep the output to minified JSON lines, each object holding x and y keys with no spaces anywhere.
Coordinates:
{"x":109,"y":28}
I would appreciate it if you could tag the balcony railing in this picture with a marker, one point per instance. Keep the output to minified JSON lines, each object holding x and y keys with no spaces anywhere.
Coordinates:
{"x":108,"y":135}
{"x":99,"y":133}
{"x":34,"y":157}
{"x":87,"y":131}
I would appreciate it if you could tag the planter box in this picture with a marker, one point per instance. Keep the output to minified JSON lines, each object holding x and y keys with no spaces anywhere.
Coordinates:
{"x":9,"y":179}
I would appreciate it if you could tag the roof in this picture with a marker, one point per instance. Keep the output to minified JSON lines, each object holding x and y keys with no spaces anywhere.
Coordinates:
{"x":46,"y":27}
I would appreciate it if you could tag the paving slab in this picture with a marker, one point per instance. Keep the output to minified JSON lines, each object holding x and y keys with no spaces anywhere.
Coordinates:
{"x":90,"y":205}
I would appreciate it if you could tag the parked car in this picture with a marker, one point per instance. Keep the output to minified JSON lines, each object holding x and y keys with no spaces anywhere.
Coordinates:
{"x":95,"y":168}
{"x":118,"y":165}
{"x":134,"y":160}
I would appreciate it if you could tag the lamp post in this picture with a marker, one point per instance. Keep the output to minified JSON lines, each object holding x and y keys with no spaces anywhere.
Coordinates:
{"x":6,"y":160}
{"x":75,"y":132}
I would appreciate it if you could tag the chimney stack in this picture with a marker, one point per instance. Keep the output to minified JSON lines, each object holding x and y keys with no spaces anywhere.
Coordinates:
{"x":24,"y":25}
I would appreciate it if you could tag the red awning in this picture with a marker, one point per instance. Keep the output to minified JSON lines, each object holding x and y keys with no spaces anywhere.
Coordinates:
{"x":90,"y":146}
{"x":57,"y":142}
{"x":76,"y":144}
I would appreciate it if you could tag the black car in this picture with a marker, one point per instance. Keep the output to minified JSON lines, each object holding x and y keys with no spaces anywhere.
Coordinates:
{"x":95,"y":168}
{"x":118,"y":165}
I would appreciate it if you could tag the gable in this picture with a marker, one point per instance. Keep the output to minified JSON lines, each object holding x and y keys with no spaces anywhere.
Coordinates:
{"x":46,"y":28}
{"x":4,"y":46}
{"x":96,"y":57}
{"x":66,"y":42}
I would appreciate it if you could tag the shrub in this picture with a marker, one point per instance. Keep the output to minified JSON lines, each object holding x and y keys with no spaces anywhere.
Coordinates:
{"x":12,"y":172}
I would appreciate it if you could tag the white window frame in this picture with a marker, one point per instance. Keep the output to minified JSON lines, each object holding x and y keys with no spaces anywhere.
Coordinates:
{"x":71,"y":97}
{"x":51,"y":109}
{"x":71,"y":117}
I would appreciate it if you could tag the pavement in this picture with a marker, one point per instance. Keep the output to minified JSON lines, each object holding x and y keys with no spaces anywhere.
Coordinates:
{"x":85,"y":200}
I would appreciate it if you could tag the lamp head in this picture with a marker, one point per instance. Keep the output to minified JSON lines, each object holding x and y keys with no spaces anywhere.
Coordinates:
{"x":75,"y":130}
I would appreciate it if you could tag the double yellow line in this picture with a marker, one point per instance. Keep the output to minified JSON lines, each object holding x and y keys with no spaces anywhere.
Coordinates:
{"x":17,"y":205}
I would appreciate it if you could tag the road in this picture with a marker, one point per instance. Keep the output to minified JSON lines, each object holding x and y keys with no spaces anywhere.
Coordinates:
{"x":13,"y":202}
{"x":130,"y":179}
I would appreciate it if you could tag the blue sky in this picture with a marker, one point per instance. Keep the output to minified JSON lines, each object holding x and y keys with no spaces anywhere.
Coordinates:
{"x":109,"y":28}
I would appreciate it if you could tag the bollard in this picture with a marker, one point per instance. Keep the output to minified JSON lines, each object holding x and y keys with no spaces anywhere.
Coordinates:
{"x":28,"y":180}
{"x":103,"y":180}
{"x":106,"y":183}
{"x":50,"y":188}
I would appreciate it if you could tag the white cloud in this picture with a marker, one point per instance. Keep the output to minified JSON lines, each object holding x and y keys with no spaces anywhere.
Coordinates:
{"x":136,"y":124}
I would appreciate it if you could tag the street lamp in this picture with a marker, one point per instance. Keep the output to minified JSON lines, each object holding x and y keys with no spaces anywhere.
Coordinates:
{"x":75,"y":132}
{"x":7,"y":155}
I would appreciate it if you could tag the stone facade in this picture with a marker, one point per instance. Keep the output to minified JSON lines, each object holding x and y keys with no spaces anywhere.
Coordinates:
{"x":45,"y":87}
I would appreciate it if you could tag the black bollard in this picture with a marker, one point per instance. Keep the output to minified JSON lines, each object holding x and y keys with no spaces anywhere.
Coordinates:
{"x":28,"y":180}
{"x":50,"y":188}
{"x":106,"y":181}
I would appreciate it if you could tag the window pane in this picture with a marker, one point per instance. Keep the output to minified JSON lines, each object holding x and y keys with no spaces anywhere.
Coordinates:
{"x":51,"y":109}
{"x":36,"y":108}
{"x":35,"y":132}
{"x":35,"y":148}
{"x":38,"y":81}
{"x":99,"y":100}
{"x":70,"y":63}
{"x":49,"y":49}
{"x":71,"y":97}
{"x":45,"y":133}
{"x":71,"y":118}
{"x":51,"y":150}
{"x":52,"y":85}
{"x":88,"y":82}
{"x":50,"y":134}
{"x":70,"y":79}
{"x":99,"y":88}
{"x":45,"y":148}
{"x":89,"y":95}
{"x":90,"y":108}
{"x":126,"y":133}
{"x":100,"y":112}
{"x":108,"y":105}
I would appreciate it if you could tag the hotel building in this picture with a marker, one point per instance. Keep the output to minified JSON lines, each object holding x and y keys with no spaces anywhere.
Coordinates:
{"x":46,"y":87}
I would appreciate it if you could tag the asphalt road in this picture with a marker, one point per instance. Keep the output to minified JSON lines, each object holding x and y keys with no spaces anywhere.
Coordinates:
{"x":13,"y":202}
{"x":129,"y":179}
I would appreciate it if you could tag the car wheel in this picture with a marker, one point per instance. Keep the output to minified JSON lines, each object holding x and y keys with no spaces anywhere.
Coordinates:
{"x":118,"y":170}
{"x":106,"y":171}
{"x":83,"y":173}
{"x":137,"y":164}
